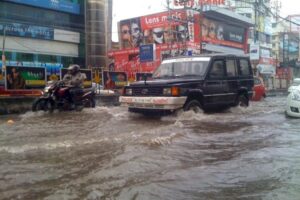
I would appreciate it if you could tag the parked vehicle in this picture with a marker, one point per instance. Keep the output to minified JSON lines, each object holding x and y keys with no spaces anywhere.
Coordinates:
{"x":295,"y":84}
{"x":192,"y":83}
{"x":56,"y":96}
{"x":293,"y":103}
{"x":259,"y":90}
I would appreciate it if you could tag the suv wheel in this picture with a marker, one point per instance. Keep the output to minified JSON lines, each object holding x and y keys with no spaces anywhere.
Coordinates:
{"x":193,"y":105}
{"x":242,"y":101}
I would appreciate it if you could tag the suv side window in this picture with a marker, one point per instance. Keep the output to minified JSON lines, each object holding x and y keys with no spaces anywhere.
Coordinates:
{"x":231,"y":67}
{"x":217,"y":70}
{"x":244,"y":67}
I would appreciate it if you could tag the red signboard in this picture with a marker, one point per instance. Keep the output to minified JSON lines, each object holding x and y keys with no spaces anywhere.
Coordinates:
{"x":191,"y":3}
{"x":162,"y":19}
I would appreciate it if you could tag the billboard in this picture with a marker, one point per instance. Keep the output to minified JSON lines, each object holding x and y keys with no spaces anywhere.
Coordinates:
{"x":216,"y":32}
{"x":114,"y":80}
{"x":156,"y":28}
{"x":23,"y":78}
{"x":65,"y":6}
{"x":88,"y":73}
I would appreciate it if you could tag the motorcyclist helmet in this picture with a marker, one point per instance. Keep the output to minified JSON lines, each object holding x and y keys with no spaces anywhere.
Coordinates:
{"x":73,"y":69}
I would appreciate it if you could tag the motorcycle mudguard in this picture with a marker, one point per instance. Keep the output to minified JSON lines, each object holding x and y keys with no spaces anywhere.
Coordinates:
{"x":88,"y":94}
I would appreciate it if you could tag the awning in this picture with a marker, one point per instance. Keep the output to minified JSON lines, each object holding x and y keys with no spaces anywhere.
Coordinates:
{"x":221,"y":49}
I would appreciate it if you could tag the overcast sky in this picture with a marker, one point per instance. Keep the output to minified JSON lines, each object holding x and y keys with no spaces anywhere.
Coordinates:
{"x":125,"y":9}
{"x":290,"y":7}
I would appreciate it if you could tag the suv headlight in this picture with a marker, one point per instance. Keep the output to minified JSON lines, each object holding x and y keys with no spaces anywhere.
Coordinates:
{"x":173,"y":91}
{"x":167,"y":91}
{"x":295,"y":95}
{"x":128,"y":91}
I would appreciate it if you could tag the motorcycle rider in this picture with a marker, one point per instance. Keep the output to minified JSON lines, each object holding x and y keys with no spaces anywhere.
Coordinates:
{"x":74,"y":80}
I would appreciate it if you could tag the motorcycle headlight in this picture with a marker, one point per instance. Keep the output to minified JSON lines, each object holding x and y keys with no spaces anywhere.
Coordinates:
{"x":295,"y":95}
{"x":128,"y":91}
{"x":46,"y":90}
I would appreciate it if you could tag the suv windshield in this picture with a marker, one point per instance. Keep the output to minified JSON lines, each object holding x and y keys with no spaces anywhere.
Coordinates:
{"x":181,"y":68}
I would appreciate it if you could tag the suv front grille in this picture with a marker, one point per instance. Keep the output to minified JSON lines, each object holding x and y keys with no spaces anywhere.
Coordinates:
{"x":153,"y":91}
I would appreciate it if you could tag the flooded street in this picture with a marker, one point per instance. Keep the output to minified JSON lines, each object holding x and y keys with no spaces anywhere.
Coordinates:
{"x":107,"y":153}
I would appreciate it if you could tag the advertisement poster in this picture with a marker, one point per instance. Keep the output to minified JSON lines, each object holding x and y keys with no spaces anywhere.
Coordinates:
{"x":223,"y":34}
{"x":88,"y":73}
{"x":97,"y":75}
{"x":131,"y":33}
{"x":147,"y":53}
{"x":23,"y":78}
{"x":114,"y":80}
{"x":140,"y":76}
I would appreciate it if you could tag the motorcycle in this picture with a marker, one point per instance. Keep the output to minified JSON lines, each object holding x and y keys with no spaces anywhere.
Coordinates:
{"x":56,"y":95}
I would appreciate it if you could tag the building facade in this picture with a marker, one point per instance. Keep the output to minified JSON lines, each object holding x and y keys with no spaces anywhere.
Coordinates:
{"x":260,"y":36}
{"x":286,"y":47}
{"x":98,"y":21}
{"x":42,"y":33}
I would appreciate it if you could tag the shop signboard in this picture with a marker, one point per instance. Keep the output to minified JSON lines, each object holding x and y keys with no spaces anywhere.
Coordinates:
{"x":254,"y":52}
{"x":266,"y":69}
{"x":24,"y":30}
{"x":192,"y":3}
{"x":114,"y":80}
{"x":65,"y":6}
{"x":25,"y":78}
{"x":88,"y":73}
{"x":216,"y":32}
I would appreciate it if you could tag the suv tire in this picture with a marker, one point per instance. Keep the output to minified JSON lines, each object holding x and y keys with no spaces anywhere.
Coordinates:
{"x":193,"y":105}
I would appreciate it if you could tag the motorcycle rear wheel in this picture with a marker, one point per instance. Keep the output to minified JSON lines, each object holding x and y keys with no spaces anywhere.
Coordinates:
{"x":90,"y":103}
{"x":45,"y":105}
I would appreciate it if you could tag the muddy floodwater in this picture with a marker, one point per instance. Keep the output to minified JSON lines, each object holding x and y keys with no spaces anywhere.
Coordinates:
{"x":107,"y":153}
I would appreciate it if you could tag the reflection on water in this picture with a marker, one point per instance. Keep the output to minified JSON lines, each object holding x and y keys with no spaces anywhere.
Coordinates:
{"x":108,"y":153}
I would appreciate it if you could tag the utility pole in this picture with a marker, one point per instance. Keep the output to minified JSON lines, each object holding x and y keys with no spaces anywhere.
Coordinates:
{"x":3,"y":46}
